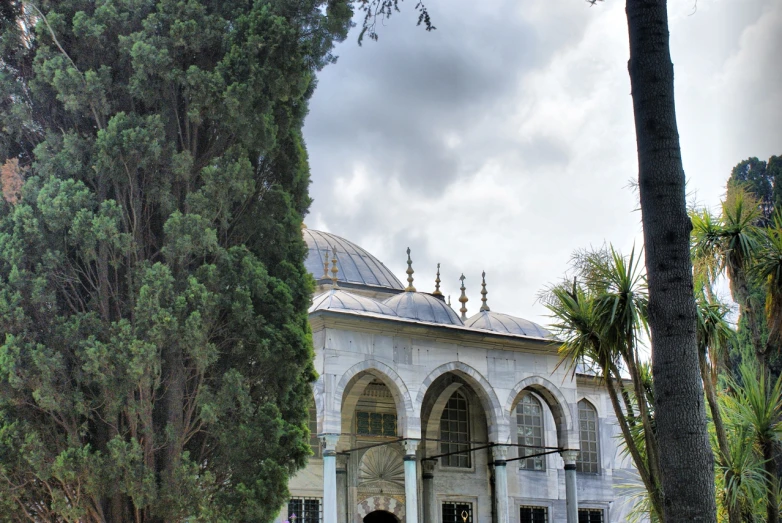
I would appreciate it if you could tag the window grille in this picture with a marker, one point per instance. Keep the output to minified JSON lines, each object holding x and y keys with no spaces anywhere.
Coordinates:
{"x":588,"y":460}
{"x":314,"y":439}
{"x":590,"y":515}
{"x":455,"y":432}
{"x":455,"y":511}
{"x":529,"y":423}
{"x":306,"y":510}
{"x":533,"y":515}
{"x":375,"y":424}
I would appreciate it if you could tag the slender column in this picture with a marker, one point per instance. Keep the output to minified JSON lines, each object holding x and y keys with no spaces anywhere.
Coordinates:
{"x":342,"y":489}
{"x":501,"y":482}
{"x":430,"y":501}
{"x":411,"y":481}
{"x":571,"y":494}
{"x":330,"y":477}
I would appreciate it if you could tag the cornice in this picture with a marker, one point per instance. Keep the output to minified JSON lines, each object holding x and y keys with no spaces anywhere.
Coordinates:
{"x":376,"y":324}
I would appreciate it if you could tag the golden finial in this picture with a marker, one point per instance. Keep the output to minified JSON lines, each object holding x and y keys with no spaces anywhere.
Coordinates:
{"x":463,"y":300}
{"x":409,"y":272}
{"x":484,"y":292}
{"x":326,"y":265}
{"x":437,"y":283}
{"x":334,"y":269}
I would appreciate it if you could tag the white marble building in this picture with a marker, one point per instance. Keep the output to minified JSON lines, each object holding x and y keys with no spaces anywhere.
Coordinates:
{"x":425,"y":415}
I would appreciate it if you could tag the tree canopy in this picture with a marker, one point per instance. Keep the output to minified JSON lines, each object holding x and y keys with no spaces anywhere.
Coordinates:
{"x":155,"y":356}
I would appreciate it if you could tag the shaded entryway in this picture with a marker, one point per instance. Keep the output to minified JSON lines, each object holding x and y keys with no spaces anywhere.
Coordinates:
{"x":380,"y":516}
{"x":379,"y":506}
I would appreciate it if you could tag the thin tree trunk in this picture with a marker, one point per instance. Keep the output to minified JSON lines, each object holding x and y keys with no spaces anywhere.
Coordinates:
{"x":739,"y":288}
{"x":734,"y":511}
{"x":686,"y":461}
{"x":651,"y":483}
{"x":772,"y":504}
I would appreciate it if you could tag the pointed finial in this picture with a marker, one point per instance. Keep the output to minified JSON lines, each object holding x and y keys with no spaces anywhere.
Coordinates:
{"x":484,"y":292}
{"x":463,"y":299}
{"x":409,"y":272}
{"x":437,"y":283}
{"x":334,"y":269}
{"x":326,"y":265}
{"x":449,"y":301}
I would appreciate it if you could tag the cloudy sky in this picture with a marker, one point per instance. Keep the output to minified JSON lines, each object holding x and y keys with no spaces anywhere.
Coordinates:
{"x":504,"y":140}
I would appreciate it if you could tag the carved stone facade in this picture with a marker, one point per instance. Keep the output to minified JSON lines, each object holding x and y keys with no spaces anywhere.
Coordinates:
{"x":388,"y":378}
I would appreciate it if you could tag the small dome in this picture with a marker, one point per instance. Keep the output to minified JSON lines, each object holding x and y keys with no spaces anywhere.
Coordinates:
{"x":337,"y":299}
{"x":355,"y":264}
{"x":506,"y":324}
{"x":422,"y":307}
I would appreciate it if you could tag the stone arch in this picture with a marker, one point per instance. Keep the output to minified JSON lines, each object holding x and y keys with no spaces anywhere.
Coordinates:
{"x":496,"y":420}
{"x":373,"y":503}
{"x":408,"y":424}
{"x":567,"y":429}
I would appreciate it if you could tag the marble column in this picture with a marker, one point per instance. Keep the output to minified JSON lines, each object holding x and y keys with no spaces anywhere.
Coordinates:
{"x":501,"y":482}
{"x":411,"y":481}
{"x":571,"y":494}
{"x":430,"y":499}
{"x":342,"y":489}
{"x":330,"y":477}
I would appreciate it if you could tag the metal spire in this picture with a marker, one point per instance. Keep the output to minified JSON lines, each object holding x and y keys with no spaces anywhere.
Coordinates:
{"x":326,"y":265}
{"x":484,"y":292}
{"x":334,"y":269}
{"x":409,"y":272}
{"x":463,"y":299}
{"x":437,"y":283}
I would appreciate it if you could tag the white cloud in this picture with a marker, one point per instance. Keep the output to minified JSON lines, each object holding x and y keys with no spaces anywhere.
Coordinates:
{"x":504,"y":140}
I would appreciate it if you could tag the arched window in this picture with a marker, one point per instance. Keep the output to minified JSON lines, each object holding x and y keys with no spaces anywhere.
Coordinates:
{"x":529,"y":423}
{"x":455,"y":432}
{"x":588,"y":458}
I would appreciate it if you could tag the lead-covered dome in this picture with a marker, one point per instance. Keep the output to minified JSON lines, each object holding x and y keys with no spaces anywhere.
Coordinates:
{"x":337,"y":299}
{"x":506,"y":324}
{"x":422,"y":307}
{"x":356,"y":266}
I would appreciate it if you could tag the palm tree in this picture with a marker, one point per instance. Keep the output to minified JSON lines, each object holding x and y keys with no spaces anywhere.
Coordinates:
{"x":755,"y":405}
{"x":599,"y":317}
{"x":740,"y":479}
{"x":767,"y":271}
{"x":714,"y":335}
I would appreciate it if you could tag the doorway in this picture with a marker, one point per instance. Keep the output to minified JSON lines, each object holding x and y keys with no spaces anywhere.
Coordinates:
{"x":380,"y":516}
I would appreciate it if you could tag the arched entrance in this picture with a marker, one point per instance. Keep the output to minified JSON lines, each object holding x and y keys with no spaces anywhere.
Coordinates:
{"x":380,"y":516}
{"x":381,"y":506}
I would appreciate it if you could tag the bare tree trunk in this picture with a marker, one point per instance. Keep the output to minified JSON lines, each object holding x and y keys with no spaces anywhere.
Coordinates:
{"x":772,"y":504}
{"x":734,"y":511}
{"x":686,"y":461}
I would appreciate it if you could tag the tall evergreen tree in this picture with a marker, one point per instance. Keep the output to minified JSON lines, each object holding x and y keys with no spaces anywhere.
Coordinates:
{"x":154,"y":346}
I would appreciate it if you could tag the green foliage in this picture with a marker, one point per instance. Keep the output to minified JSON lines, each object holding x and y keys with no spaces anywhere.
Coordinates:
{"x":753,"y":411}
{"x":600,"y":317}
{"x":155,"y":356}
{"x":761,"y":179}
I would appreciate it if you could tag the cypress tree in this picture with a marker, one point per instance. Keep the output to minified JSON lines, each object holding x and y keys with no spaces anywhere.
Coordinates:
{"x":155,"y":354}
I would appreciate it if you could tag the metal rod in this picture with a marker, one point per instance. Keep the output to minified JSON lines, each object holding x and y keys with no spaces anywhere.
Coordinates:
{"x":372,"y":446}
{"x":534,"y":455}
{"x":473,"y":449}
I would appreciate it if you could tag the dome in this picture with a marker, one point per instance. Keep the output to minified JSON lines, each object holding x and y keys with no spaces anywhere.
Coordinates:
{"x":506,"y":324}
{"x":355,"y":265}
{"x":337,"y":299}
{"x":422,"y":307}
